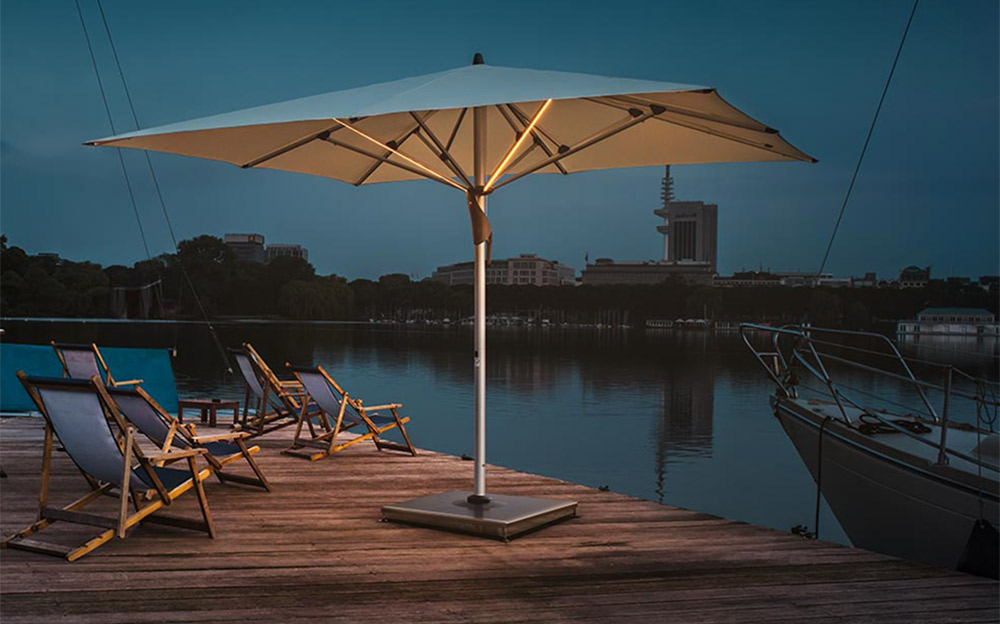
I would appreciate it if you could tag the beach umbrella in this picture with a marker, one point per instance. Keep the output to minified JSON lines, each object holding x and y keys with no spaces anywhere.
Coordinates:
{"x":477,"y":129}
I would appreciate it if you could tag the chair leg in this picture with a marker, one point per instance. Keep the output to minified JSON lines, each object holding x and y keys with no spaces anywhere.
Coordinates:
{"x":19,"y":540}
{"x":202,"y":500}
{"x":253,"y":464}
{"x":402,"y":429}
{"x":126,"y":476}
{"x":76,"y":553}
{"x":336,"y":428}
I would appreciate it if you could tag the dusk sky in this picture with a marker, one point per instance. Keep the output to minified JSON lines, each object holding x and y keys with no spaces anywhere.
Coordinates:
{"x":927,"y":193}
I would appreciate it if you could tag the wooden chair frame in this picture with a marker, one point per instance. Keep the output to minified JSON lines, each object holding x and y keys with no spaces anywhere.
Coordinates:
{"x":326,"y":441}
{"x":266,"y":417}
{"x":59,"y":347}
{"x":189,"y":434}
{"x":113,"y":526}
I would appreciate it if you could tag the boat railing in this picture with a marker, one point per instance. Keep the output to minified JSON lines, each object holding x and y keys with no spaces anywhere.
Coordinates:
{"x":794,"y":346}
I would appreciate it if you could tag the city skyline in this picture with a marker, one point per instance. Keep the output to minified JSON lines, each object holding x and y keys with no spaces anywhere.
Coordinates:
{"x":189,"y":61}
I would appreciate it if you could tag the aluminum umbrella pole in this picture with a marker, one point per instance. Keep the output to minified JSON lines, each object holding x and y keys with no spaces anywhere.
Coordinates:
{"x":478,"y":495}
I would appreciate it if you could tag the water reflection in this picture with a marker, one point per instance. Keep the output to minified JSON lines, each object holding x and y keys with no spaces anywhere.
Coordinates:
{"x":684,"y":428}
{"x":962,"y":351}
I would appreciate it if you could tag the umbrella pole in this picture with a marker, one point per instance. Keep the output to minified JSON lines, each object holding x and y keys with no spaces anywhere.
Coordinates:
{"x":479,"y":479}
{"x":478,"y":495}
{"x":502,"y":516}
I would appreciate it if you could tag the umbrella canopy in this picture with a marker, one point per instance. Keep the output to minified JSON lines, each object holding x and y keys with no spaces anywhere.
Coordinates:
{"x":477,"y":128}
{"x":591,"y":123}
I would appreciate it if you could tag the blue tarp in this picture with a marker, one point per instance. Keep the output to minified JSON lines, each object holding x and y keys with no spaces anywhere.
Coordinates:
{"x":152,"y":366}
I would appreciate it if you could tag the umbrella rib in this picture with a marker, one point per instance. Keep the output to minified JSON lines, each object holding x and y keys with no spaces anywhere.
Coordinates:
{"x":427,"y":171}
{"x":287,"y":147}
{"x":517,"y":145}
{"x":767,"y":147}
{"x":679,"y":110}
{"x":402,"y":166}
{"x":523,"y":117}
{"x":398,"y":142}
{"x":523,"y":155}
{"x":444,"y":154}
{"x":538,"y":138}
{"x":454,"y":132}
{"x":635,"y":117}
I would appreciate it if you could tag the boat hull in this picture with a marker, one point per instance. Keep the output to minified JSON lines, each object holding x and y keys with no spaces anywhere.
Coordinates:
{"x":885,"y":502}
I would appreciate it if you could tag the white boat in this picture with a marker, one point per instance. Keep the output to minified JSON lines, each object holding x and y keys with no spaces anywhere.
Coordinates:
{"x":910,"y":483}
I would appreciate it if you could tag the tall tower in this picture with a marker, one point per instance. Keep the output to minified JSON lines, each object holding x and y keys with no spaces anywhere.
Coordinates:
{"x":689,"y":227}
{"x":667,"y":196}
{"x":667,"y":188}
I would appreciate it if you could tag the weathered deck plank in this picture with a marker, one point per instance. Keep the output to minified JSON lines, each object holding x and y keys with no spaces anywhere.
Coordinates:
{"x":314,"y":549}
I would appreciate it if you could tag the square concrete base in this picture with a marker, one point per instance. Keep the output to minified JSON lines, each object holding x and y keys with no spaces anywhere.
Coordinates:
{"x":504,"y":517}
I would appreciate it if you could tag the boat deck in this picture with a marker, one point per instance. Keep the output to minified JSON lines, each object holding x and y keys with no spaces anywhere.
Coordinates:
{"x":313,"y":550}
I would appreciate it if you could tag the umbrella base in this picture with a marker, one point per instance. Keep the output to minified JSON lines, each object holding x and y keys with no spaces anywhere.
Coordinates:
{"x":504,"y":517}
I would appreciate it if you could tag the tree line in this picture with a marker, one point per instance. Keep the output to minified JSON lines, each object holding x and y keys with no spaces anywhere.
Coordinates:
{"x":205,"y":274}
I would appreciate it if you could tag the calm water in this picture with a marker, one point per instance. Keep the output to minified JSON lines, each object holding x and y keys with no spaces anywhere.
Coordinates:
{"x":676,"y":417}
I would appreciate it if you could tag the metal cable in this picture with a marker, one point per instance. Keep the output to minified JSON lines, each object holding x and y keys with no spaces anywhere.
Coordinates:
{"x":910,"y":358}
{"x":111,"y":122}
{"x":159,"y":194}
{"x":868,"y":139}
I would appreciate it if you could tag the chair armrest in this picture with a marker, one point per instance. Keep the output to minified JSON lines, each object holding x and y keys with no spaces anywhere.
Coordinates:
{"x":130,"y":382}
{"x":232,"y":435}
{"x":192,"y":452}
{"x":370,"y":408}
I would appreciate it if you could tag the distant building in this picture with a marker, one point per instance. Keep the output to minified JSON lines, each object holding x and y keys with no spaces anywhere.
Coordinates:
{"x":689,"y":246}
{"x":809,"y":279}
{"x":286,"y":249}
{"x":951,"y":322}
{"x":868,"y":281}
{"x":748,"y":279}
{"x":690,"y":228}
{"x":914,"y":277}
{"x":788,"y":279}
{"x":251,"y":248}
{"x":834,"y":282}
{"x":247,"y":247}
{"x":606,"y":271}
{"x":526,"y":269}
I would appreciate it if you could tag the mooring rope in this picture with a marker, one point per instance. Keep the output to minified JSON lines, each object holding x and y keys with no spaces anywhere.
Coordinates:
{"x":819,"y":474}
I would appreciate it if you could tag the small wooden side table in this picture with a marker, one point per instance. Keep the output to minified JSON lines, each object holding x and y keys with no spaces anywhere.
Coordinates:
{"x":208,"y":408}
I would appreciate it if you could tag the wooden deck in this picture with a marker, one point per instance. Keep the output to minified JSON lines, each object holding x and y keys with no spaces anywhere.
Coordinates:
{"x":313,"y":550}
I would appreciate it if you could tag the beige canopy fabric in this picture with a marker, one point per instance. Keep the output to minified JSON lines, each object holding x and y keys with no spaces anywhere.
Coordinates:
{"x":422,"y":128}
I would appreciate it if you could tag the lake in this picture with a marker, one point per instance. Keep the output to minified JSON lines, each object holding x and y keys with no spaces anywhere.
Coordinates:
{"x":679,"y":417}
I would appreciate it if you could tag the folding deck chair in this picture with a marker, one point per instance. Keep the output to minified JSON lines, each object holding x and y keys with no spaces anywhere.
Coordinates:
{"x":277,"y":403}
{"x":78,"y":412}
{"x":166,"y":432}
{"x":83,"y":361}
{"x":334,"y":403}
